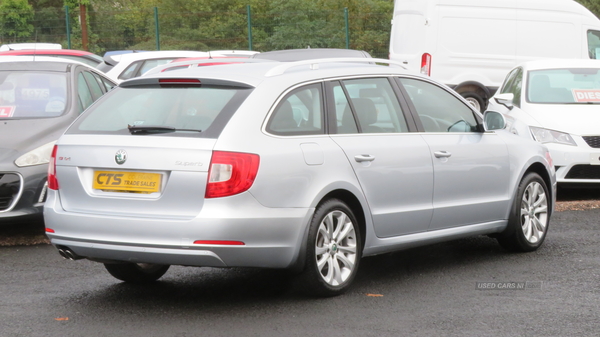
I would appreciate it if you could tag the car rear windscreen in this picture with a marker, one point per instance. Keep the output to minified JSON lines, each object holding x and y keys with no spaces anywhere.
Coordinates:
{"x":187,"y":111}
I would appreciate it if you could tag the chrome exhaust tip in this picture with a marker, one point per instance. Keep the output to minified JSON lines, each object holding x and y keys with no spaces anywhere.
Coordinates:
{"x":68,"y":254}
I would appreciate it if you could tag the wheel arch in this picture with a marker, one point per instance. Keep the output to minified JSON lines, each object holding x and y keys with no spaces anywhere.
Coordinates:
{"x":540,"y":169}
{"x":474,"y":86}
{"x":353,"y":203}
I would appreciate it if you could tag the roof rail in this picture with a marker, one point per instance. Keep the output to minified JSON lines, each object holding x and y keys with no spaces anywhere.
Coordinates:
{"x":314,"y":64}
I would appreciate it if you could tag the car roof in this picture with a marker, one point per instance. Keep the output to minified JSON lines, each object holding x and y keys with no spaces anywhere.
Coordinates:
{"x":201,"y":61}
{"x":254,"y":73}
{"x":290,"y":55}
{"x":35,"y":45}
{"x":38,"y":63}
{"x":73,"y":52}
{"x":130,"y":57}
{"x":560,"y":63}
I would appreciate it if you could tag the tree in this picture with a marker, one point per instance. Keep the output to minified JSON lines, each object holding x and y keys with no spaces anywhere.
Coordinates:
{"x":592,"y":5}
{"x":15,"y":19}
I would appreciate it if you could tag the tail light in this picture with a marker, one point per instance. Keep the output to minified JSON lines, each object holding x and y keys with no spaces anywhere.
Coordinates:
{"x":231,"y":173}
{"x":426,"y":64}
{"x":52,"y":181}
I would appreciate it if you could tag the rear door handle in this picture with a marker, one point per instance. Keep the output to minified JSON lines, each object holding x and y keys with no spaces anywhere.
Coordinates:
{"x":364,"y":157}
{"x":442,"y":154}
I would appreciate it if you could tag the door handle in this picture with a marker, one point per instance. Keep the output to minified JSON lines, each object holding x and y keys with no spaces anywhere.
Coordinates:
{"x":364,"y":157}
{"x":442,"y":154}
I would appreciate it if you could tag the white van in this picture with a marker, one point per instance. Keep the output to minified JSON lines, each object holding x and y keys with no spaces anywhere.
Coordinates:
{"x":470,"y":45}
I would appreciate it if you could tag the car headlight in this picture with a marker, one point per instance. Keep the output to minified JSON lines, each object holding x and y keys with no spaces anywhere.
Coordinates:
{"x":38,"y":156}
{"x":550,"y":136}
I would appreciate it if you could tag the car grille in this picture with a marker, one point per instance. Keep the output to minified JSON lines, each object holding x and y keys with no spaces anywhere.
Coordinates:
{"x":10,"y":185}
{"x":584,"y":172}
{"x":593,"y":141}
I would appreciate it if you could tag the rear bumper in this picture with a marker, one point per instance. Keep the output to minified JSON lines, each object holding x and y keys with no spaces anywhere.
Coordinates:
{"x":272,"y":236}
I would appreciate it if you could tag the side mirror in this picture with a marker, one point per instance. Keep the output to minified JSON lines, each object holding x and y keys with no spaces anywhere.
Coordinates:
{"x":505,"y":99}
{"x":493,"y":120}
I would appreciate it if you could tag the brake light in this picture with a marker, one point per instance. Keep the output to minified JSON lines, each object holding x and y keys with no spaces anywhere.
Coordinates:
{"x":179,"y":81}
{"x":52,"y":181}
{"x":426,"y":64}
{"x":231,"y":173}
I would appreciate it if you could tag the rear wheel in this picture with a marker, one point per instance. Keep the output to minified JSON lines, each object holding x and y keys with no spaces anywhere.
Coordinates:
{"x":475,"y":100}
{"x":334,"y":250}
{"x":136,"y":272}
{"x":530,"y":216}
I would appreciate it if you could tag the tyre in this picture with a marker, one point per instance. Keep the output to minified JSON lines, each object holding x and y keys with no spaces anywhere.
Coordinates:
{"x":529,"y":217}
{"x":334,"y":250}
{"x":475,"y":100}
{"x":136,"y":272}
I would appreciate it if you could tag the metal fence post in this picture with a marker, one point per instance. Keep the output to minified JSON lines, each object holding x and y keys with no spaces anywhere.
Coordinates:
{"x":347,"y":28}
{"x":157,"y":30}
{"x":249,"y":27}
{"x":68,"y":27}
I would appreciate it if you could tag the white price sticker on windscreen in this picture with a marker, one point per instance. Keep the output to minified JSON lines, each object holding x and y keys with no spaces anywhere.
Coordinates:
{"x":32,"y":94}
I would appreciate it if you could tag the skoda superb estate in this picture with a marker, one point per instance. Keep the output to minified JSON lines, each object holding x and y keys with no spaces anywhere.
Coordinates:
{"x":306,"y":165}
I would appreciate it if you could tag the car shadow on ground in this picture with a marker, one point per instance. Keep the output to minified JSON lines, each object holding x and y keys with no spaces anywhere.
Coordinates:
{"x":217,"y":288}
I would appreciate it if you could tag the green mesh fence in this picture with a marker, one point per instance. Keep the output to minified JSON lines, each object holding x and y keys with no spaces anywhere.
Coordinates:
{"x":118,"y":30}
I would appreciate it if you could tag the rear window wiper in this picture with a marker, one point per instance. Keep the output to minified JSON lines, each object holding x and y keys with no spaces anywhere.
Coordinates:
{"x":149,"y":129}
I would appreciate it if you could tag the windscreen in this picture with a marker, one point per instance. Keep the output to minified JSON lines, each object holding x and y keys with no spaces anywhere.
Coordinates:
{"x":28,"y":94}
{"x":561,"y":86}
{"x":593,"y":39}
{"x":188,"y":111}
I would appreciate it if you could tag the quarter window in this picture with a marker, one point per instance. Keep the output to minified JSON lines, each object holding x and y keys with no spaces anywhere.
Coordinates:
{"x":299,"y":113}
{"x":439,"y":110}
{"x":83,"y":91}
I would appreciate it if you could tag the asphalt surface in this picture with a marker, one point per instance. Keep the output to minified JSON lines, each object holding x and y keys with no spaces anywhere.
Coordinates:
{"x":438,"y":290}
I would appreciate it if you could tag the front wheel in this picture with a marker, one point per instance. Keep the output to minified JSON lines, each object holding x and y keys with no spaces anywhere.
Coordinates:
{"x":136,"y":272}
{"x":530,"y":216}
{"x":333,"y":251}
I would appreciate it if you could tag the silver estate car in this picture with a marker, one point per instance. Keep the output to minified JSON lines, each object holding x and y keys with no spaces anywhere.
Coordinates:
{"x":306,"y":165}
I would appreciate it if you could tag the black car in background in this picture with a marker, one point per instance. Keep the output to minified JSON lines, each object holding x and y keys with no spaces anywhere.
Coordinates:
{"x":39,"y":99}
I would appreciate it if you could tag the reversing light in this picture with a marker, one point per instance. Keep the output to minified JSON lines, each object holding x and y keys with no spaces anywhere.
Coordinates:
{"x":219,"y":242}
{"x":231,"y":173}
{"x":52,"y":181}
{"x":426,"y":64}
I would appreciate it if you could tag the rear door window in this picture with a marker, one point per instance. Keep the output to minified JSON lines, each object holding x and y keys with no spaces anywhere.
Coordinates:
{"x":370,"y":102}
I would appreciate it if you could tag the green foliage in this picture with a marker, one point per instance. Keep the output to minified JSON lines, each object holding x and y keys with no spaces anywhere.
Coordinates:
{"x":592,"y":5}
{"x":15,"y":18}
{"x":216,"y":24}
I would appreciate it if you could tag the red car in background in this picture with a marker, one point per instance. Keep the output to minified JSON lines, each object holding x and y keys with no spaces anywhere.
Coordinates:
{"x":85,"y":57}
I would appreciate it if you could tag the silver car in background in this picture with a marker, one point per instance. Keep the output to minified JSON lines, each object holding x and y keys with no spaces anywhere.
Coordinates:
{"x":305,"y":165}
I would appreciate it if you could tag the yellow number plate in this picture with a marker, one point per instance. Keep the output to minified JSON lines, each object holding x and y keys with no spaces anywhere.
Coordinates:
{"x":136,"y":182}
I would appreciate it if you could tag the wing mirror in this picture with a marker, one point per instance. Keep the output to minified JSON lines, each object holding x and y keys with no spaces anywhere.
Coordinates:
{"x":493,"y":120}
{"x":505,"y":99}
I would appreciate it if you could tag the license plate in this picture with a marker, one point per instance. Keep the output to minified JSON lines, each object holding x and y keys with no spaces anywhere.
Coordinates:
{"x":595,"y":158}
{"x":133,"y":182}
